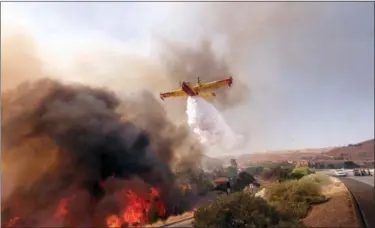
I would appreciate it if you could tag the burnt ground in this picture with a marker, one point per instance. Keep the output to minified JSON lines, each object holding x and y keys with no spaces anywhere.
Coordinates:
{"x":364,"y":195}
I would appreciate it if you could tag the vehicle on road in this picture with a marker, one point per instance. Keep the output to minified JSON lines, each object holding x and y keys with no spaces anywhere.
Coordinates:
{"x":339,"y":173}
{"x":357,"y":172}
{"x":362,"y":172}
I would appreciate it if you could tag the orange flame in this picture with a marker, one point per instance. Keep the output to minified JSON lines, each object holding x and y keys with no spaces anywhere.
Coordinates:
{"x":61,"y":210}
{"x":113,"y":221}
{"x":134,"y":213}
{"x":12,"y":221}
{"x":137,"y":209}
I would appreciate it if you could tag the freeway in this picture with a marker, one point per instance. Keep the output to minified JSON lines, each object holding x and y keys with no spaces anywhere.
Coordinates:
{"x":366,"y":179}
{"x":364,"y":195}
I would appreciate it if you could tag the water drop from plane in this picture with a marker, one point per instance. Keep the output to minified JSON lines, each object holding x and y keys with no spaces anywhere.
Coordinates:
{"x":209,"y":126}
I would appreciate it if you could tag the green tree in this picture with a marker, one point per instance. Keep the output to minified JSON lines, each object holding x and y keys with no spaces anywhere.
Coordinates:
{"x":300,"y":172}
{"x":233,"y":163}
{"x":232,"y":172}
{"x":242,"y":180}
{"x":277,"y":173}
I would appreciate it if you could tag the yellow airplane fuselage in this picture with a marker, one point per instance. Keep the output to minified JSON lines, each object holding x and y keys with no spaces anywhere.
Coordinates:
{"x":198,"y":90}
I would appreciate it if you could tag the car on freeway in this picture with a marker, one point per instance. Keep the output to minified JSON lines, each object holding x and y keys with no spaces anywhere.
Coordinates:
{"x":339,"y":173}
{"x":362,"y":172}
{"x":357,"y":172}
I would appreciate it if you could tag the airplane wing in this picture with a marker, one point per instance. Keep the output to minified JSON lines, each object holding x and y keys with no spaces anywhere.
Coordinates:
{"x":174,"y":93}
{"x":213,"y":85}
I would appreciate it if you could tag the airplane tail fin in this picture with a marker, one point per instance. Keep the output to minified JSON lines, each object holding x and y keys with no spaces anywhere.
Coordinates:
{"x":207,"y":95}
{"x":230,"y":81}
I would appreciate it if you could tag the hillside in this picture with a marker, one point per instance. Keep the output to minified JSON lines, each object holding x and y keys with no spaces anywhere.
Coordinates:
{"x":283,"y":155}
{"x":359,"y":151}
{"x":211,"y":163}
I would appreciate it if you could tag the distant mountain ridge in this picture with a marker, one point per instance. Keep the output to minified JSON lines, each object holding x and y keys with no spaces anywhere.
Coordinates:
{"x":308,"y":150}
{"x":360,"y":151}
{"x":210,"y":163}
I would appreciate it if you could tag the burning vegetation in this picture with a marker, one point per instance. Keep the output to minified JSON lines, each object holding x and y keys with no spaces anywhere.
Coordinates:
{"x":77,"y":156}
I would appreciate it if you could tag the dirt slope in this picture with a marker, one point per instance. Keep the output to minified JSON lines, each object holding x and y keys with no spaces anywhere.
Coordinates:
{"x":359,"y":151}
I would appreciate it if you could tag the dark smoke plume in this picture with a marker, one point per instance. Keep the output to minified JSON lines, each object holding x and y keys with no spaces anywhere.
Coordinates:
{"x":60,"y":137}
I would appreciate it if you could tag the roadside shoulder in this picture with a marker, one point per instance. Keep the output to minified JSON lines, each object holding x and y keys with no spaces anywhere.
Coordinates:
{"x":339,"y":211}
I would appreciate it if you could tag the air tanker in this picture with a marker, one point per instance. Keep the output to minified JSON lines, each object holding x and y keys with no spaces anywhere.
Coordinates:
{"x":199,"y":89}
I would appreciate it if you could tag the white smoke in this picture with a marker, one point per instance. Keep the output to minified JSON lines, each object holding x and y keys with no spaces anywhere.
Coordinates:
{"x":209,"y":126}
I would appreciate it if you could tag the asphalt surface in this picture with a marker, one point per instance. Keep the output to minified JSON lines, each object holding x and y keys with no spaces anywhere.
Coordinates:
{"x":366,"y":179}
{"x":364,"y":195}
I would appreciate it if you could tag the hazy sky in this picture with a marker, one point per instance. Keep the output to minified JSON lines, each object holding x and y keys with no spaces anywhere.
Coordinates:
{"x":309,"y":66}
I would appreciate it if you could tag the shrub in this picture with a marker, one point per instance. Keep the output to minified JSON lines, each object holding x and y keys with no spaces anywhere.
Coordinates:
{"x":300,"y":172}
{"x":293,"y":198}
{"x":277,"y":173}
{"x":241,"y":209}
{"x":320,"y":179}
{"x":221,"y":187}
{"x":267,"y":174}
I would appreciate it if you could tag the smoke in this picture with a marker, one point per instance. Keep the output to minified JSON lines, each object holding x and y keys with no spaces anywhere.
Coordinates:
{"x":283,"y":56}
{"x":270,"y":49}
{"x":62,"y":138}
{"x":209,"y":125}
{"x":78,"y":136}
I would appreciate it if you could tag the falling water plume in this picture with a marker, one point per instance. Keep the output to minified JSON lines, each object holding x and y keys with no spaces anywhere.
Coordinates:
{"x":209,"y":126}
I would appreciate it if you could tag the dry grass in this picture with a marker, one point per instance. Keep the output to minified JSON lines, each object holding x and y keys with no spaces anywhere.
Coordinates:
{"x":173,"y":219}
{"x":337,"y":212}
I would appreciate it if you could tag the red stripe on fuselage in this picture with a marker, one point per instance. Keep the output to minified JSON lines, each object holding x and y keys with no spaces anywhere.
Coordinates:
{"x":187,"y":89}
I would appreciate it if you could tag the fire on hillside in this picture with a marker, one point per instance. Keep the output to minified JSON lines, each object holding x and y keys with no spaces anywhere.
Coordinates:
{"x":73,"y":159}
